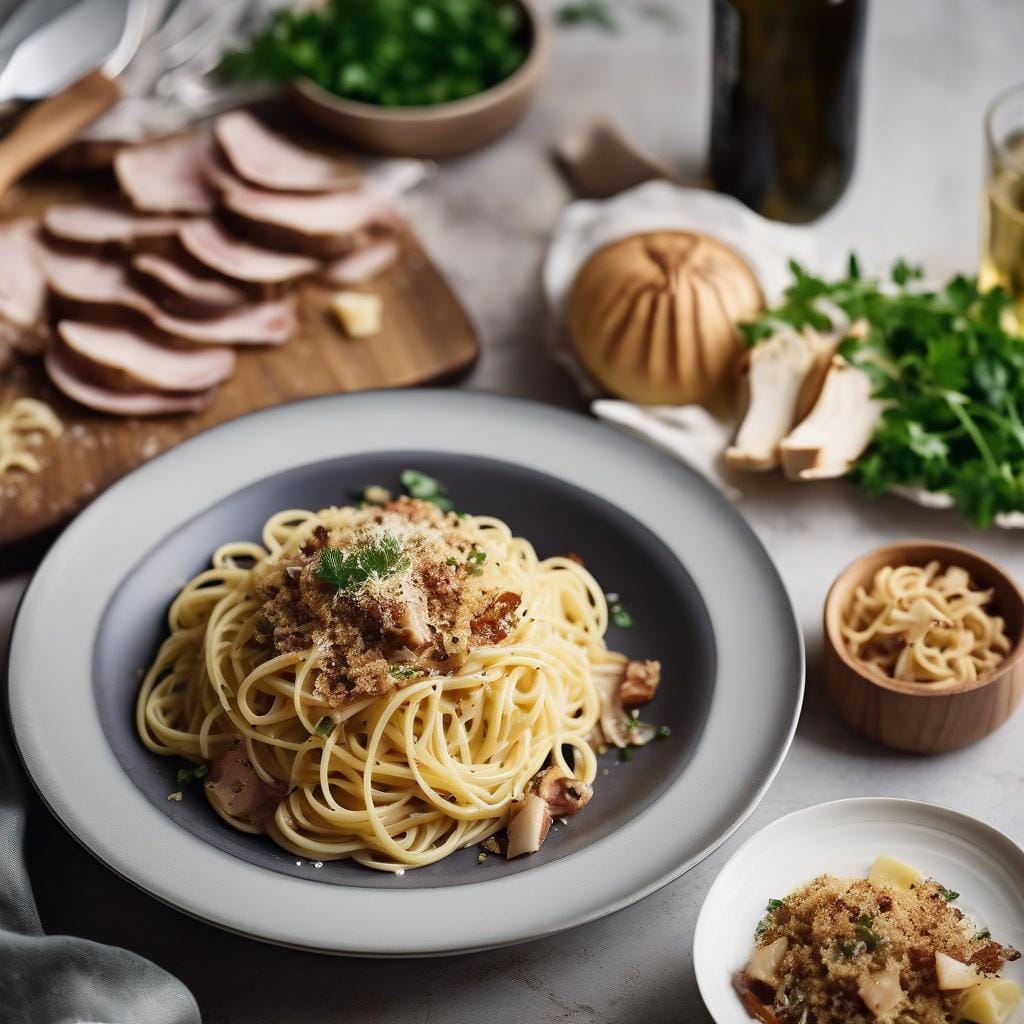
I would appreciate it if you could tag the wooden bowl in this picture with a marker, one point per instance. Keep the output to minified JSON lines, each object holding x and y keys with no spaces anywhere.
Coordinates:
{"x":439,"y":130}
{"x":913,"y":716}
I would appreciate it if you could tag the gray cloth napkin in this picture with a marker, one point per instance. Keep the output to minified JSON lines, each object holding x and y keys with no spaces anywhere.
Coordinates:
{"x":58,"y":979}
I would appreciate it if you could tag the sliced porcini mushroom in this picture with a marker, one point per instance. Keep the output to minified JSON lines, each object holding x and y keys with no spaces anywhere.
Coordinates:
{"x":783,"y":376}
{"x":563,"y":796}
{"x":607,"y":677}
{"x":881,"y":991}
{"x":765,"y":961}
{"x":640,"y":683}
{"x":837,"y":430}
{"x":953,"y":975}
{"x":528,"y":826}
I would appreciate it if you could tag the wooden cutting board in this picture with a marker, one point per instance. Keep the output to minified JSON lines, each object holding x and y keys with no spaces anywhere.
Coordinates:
{"x":426,"y":336}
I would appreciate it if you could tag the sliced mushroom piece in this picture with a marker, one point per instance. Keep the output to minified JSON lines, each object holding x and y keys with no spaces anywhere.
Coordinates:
{"x":838,"y":429}
{"x":563,"y":796}
{"x":607,"y":677}
{"x":765,"y":961}
{"x":640,"y":683}
{"x":528,"y":826}
{"x":784,"y":374}
{"x":236,"y":790}
{"x":881,"y":991}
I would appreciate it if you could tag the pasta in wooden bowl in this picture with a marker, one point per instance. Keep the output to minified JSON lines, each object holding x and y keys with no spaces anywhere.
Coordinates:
{"x":923,"y":645}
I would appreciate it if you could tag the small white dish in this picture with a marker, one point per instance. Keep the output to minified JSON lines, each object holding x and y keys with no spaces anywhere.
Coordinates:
{"x":842,"y":838}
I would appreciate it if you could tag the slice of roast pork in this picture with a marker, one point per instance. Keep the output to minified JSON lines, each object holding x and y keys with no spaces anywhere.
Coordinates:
{"x":182,"y":290}
{"x":85,"y":281}
{"x":128,"y":359}
{"x":68,"y":376}
{"x":362,"y":264}
{"x":22,"y":287}
{"x":325,"y":224}
{"x":208,"y":243}
{"x":167,"y":176}
{"x":95,"y":224}
{"x":268,"y":160}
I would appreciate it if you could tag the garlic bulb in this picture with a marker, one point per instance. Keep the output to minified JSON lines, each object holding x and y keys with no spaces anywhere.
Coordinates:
{"x":653,"y":317}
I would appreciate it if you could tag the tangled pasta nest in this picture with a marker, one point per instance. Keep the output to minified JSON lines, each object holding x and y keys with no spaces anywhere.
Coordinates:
{"x":920,"y":624}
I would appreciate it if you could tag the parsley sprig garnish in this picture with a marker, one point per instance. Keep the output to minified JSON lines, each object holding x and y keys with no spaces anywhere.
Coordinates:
{"x":371,"y":561}
{"x":618,"y":612}
{"x":765,"y":923}
{"x":951,"y":370}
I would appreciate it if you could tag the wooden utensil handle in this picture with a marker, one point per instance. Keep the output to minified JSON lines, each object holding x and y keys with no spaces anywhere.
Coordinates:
{"x":54,"y":122}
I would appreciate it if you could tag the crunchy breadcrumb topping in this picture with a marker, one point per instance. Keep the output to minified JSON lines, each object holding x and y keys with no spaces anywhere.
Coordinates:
{"x":432,"y":606}
{"x":843,"y":933}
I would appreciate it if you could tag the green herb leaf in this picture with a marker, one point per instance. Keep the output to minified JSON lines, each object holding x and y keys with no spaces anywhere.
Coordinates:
{"x":325,"y":727}
{"x":389,"y":52}
{"x":371,"y":561}
{"x":948,"y":895}
{"x":983,"y":934}
{"x":866,"y":933}
{"x":475,"y":562}
{"x":186,"y":776}
{"x":618,"y":612}
{"x":846,"y":949}
{"x":950,"y":371}
{"x":594,"y":12}
{"x":625,"y":753}
{"x":404,"y":671}
{"x":425,"y":488}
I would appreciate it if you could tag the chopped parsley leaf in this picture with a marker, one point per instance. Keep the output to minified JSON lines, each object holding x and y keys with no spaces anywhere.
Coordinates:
{"x":403,"y":672}
{"x":846,"y":949}
{"x":663,"y":732}
{"x":948,"y":895}
{"x":371,"y":561}
{"x":618,"y":612}
{"x":625,"y":753}
{"x":325,"y":727}
{"x":475,"y":562}
{"x":425,"y":488}
{"x":984,"y":934}
{"x":186,"y":776}
{"x":866,"y":933}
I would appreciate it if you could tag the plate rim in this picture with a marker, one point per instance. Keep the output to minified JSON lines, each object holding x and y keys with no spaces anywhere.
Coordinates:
{"x":701,"y":942}
{"x":425,"y":402}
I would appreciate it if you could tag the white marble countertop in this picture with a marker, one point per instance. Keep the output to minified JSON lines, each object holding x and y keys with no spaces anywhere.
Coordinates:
{"x":930,"y":69}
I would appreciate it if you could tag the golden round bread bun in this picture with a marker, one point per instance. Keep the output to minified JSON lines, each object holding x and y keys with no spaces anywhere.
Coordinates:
{"x":653,"y":317}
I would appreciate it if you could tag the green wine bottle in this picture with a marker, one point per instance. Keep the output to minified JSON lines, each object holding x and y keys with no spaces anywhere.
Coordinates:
{"x":786,"y":84}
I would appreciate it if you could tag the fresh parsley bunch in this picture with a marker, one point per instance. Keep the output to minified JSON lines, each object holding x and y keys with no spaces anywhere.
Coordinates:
{"x":952,"y":368}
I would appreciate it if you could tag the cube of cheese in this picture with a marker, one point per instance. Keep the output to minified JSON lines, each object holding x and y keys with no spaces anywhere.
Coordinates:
{"x":991,"y":1002}
{"x":953,"y":974}
{"x":359,"y":313}
{"x":889,"y":870}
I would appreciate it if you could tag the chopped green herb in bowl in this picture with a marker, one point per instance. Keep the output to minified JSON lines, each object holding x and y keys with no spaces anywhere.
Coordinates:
{"x":391,"y":53}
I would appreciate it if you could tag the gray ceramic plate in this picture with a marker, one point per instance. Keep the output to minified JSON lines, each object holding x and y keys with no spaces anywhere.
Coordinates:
{"x":704,"y":595}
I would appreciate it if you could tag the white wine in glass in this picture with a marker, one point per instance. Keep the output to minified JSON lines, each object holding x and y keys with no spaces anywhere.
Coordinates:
{"x":1002,"y":251}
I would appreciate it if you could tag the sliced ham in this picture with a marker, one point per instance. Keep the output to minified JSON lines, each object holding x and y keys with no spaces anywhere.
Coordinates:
{"x":269,"y":160}
{"x":93,"y":224}
{"x":22,"y":287}
{"x":323,"y":225}
{"x":167,"y":176}
{"x":363,"y":264}
{"x":87,"y":281}
{"x":182,"y":289}
{"x":123,"y":356}
{"x":214,"y":248}
{"x":69,"y":378}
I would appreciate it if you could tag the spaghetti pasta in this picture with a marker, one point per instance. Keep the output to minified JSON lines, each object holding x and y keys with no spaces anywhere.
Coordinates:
{"x":399,"y":773}
{"x":21,"y":419}
{"x":920,"y":624}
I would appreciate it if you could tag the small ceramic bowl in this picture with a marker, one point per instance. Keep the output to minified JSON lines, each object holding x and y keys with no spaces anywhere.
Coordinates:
{"x":914,"y":716}
{"x":439,"y":130}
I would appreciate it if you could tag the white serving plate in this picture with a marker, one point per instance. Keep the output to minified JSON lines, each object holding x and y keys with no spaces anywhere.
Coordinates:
{"x":842,"y":838}
{"x":750,"y":723}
